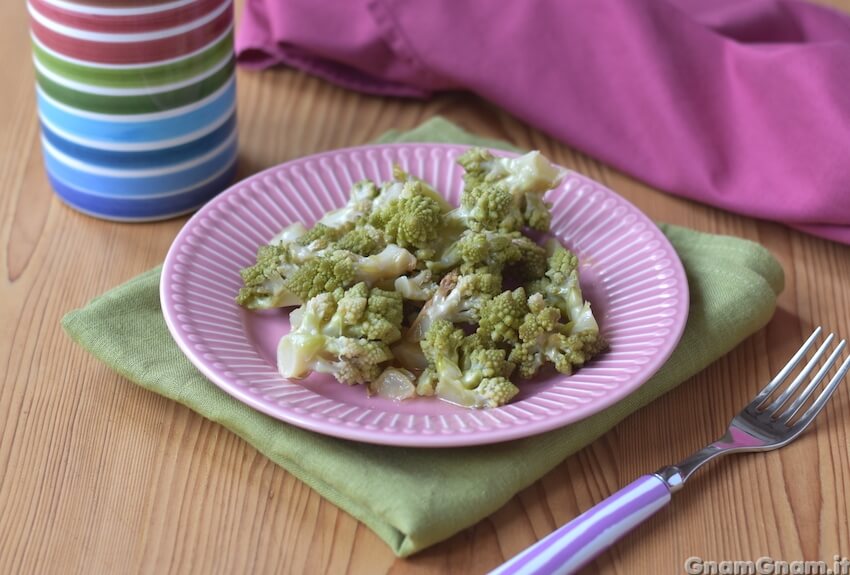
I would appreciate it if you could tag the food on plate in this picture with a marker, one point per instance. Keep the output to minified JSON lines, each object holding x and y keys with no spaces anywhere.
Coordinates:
{"x":405,"y":294}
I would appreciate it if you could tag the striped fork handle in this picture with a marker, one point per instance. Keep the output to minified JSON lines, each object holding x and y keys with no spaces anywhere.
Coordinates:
{"x":569,"y":548}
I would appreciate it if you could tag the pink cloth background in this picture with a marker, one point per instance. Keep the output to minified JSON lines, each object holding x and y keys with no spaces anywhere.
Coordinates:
{"x":741,"y":104}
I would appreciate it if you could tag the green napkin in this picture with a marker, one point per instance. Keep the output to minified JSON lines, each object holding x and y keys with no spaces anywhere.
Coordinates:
{"x":413,"y":498}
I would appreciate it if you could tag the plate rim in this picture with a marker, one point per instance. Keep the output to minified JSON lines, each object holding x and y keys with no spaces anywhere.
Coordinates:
{"x":378,"y":437}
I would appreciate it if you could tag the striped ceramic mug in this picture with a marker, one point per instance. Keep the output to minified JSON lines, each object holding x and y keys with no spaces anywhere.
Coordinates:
{"x":136,"y":100}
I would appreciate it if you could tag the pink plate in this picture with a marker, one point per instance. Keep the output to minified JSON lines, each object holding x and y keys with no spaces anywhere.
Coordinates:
{"x":629,"y":271}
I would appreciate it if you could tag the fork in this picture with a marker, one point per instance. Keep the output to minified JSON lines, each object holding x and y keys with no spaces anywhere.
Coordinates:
{"x":757,"y":427}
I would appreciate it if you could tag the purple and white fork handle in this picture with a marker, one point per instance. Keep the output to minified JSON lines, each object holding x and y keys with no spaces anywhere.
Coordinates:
{"x":567,"y":549}
{"x":758,"y":427}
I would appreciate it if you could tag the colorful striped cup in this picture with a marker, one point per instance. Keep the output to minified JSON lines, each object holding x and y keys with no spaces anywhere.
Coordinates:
{"x":136,"y":100}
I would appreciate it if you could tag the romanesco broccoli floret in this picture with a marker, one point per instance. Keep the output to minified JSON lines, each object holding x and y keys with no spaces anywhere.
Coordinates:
{"x":322,"y":274}
{"x":478,"y":380}
{"x":266,"y":282}
{"x":494,"y":251}
{"x":411,"y":220}
{"x":527,"y":178}
{"x":342,"y":269}
{"x":426,"y":383}
{"x":479,"y":363}
{"x":529,"y":263}
{"x":566,"y":351}
{"x":458,"y":299}
{"x":360,"y":203}
{"x":544,"y":338}
{"x":418,"y":287}
{"x":423,"y":188}
{"x":342,"y":333}
{"x":496,"y":391}
{"x":364,"y":240}
{"x":442,"y":342}
{"x":560,"y":287}
{"x":370,"y":313}
{"x":487,"y":206}
{"x":320,"y":236}
{"x":500,"y":317}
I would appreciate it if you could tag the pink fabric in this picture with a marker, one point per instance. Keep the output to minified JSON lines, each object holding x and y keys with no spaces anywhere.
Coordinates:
{"x":741,"y":104}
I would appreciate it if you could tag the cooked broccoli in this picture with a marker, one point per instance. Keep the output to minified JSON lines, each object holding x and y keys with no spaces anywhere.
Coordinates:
{"x":480,"y":363}
{"x":560,"y":287}
{"x":419,"y":287}
{"x":277,"y":277}
{"x":442,"y":341}
{"x":373,"y":313}
{"x":458,"y":299}
{"x":322,"y":274}
{"x":289,"y":234}
{"x":342,"y":333}
{"x":320,"y":236}
{"x":363,"y":240}
{"x":266,"y":282}
{"x":500,"y":317}
{"x":493,"y":251}
{"x":477,"y":380}
{"x":400,"y":176}
{"x":543,"y":337}
{"x":342,"y":269}
{"x":426,"y":383}
{"x":399,"y":290}
{"x":411,"y":219}
{"x":530,"y":261}
{"x":565,"y":349}
{"x":488,"y":206}
{"x":360,"y":203}
{"x":527,"y":178}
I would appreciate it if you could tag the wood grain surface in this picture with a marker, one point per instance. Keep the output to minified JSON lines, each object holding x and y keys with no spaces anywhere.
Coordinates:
{"x":100,"y":476}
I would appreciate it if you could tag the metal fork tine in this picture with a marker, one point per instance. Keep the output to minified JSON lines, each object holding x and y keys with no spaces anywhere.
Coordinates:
{"x":798,"y":403}
{"x":789,"y":367}
{"x":801,"y":377}
{"x":827,"y":392}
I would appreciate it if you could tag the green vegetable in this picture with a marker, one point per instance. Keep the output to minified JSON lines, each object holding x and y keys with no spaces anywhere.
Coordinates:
{"x":360,"y":204}
{"x":342,"y":333}
{"x":559,"y":327}
{"x":494,"y":251}
{"x":364,"y":240}
{"x":399,"y":175}
{"x":560,"y":287}
{"x":488,"y":206}
{"x":399,"y":290}
{"x":320,"y":237}
{"x":501,"y":317}
{"x":342,"y":269}
{"x":419,"y":287}
{"x":267,"y":282}
{"x":410,"y":219}
{"x":478,"y":377}
{"x":526,"y":179}
{"x":458,"y":299}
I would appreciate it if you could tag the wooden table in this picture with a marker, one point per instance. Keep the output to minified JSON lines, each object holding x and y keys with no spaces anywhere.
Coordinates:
{"x":98,"y":475}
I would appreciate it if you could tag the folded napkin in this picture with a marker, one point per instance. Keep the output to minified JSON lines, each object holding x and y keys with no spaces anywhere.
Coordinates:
{"x":413,"y":498}
{"x":742,"y":104}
